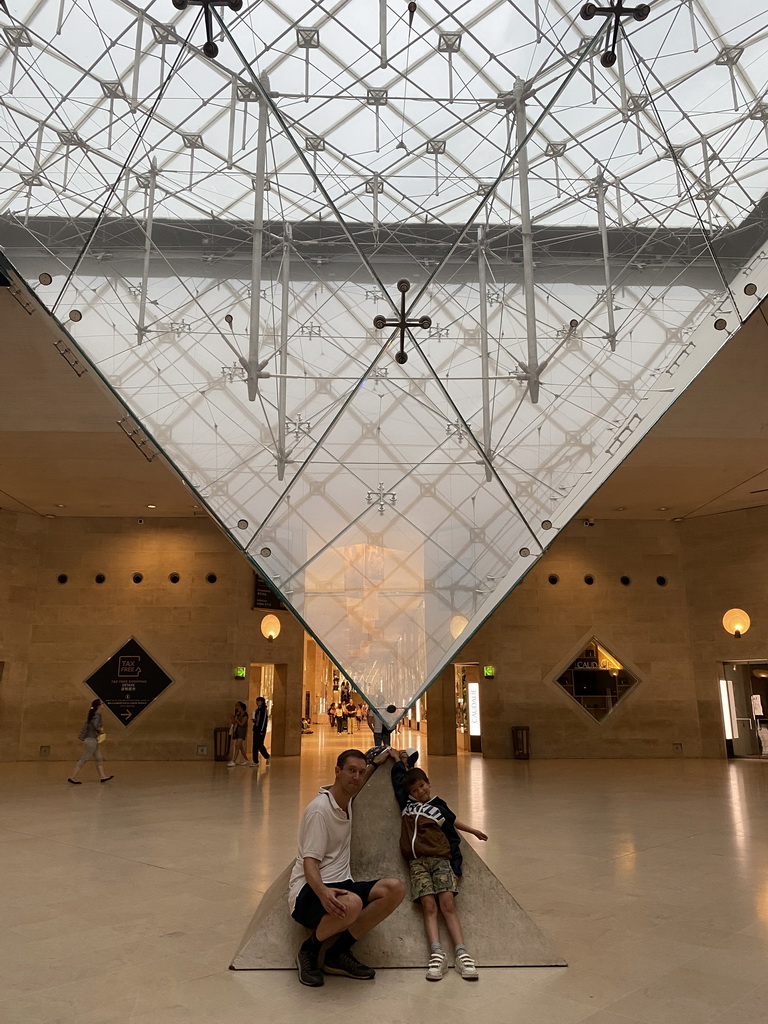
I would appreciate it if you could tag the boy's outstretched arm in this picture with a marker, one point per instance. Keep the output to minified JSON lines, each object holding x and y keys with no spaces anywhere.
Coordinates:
{"x":468,"y":828}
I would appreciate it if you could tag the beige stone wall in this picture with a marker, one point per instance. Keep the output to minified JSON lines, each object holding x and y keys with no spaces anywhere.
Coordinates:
{"x":19,"y":562}
{"x":726,"y":566}
{"x":540,"y":628}
{"x":54,"y":636}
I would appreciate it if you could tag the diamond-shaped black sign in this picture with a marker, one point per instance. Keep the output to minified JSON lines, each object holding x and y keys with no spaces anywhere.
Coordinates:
{"x":129,"y":681}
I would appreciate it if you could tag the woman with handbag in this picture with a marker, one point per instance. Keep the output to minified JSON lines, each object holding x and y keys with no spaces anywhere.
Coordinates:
{"x":238,"y":731}
{"x":92,"y":734}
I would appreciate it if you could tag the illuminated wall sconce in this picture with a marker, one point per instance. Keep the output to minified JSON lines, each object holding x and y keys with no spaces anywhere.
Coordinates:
{"x":458,"y":624}
{"x":270,"y":627}
{"x":736,"y":622}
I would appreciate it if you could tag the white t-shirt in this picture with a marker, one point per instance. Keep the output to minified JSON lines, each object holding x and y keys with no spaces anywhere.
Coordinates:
{"x":325,"y":834}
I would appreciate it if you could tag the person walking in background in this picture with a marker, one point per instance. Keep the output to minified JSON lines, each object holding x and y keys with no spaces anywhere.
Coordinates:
{"x":89,"y":734}
{"x":260,"y":720}
{"x":239,"y":729}
{"x":381,"y":734}
{"x":332,"y":714}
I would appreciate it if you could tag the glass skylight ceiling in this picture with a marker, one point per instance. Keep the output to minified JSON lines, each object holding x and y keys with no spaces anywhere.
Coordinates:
{"x":579,"y":236}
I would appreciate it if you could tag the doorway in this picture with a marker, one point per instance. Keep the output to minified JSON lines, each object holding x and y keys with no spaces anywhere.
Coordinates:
{"x":261,"y":683}
{"x":467,"y":689}
{"x":744,"y":694}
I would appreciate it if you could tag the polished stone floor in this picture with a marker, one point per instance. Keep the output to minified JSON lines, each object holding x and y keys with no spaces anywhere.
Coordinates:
{"x":124,"y":902}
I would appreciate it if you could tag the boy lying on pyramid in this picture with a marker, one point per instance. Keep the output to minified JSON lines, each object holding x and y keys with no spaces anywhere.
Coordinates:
{"x":430,"y":842}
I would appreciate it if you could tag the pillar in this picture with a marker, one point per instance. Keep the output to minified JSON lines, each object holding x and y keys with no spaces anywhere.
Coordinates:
{"x":441,"y":723}
{"x":286,"y":713}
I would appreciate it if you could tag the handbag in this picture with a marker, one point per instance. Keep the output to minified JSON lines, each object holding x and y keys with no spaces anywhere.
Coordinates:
{"x":83,"y":732}
{"x":101,"y":737}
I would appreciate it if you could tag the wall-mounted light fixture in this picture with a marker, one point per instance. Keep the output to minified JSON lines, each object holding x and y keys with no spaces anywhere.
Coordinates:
{"x":736,"y":622}
{"x":270,"y":627}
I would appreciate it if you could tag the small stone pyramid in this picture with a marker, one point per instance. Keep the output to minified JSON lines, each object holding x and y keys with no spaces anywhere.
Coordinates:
{"x":497,"y":931}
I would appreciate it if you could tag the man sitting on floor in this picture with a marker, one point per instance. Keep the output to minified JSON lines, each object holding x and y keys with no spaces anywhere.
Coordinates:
{"x":321,"y":893}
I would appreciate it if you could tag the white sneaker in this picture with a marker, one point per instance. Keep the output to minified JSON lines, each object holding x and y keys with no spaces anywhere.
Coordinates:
{"x":246,"y":764}
{"x":437,"y":966}
{"x":231,"y":764}
{"x":465,"y":965}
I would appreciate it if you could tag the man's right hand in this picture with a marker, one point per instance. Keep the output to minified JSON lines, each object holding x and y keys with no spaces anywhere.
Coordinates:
{"x":331,"y":903}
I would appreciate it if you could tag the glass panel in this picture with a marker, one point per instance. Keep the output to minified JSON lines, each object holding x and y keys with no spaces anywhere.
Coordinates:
{"x":218,"y":236}
{"x":596,"y":680}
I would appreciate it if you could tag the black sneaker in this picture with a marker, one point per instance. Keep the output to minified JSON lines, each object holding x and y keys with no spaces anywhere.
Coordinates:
{"x":344,"y":963}
{"x":309,"y":973}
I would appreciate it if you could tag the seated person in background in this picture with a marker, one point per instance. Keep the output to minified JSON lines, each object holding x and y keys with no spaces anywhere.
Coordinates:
{"x":430,"y":842}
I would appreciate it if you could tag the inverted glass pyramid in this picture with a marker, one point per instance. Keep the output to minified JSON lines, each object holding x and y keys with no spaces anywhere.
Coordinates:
{"x":220,"y":235}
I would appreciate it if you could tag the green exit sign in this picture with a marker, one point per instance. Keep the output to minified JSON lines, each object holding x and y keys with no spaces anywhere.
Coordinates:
{"x":240,"y":672}
{"x":489,"y":671}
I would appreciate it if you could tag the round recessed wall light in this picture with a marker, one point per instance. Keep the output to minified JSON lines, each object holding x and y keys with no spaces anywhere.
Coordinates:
{"x":75,"y":316}
{"x":750,"y":289}
{"x":553,"y":578}
{"x":620,"y":508}
{"x":137,"y":577}
{"x":44,"y":278}
{"x":589,"y":579}
{"x":265,"y":552}
{"x":625,"y":581}
{"x":736,"y":622}
{"x":61,"y":506}
{"x":174,"y":577}
{"x":546,"y":524}
{"x":99,"y":577}
{"x":720,"y":324}
{"x":62,"y":577}
{"x":49,"y":515}
{"x":211,"y":577}
{"x":270,"y":627}
{"x":242,"y":524}
{"x":663,"y":508}
{"x":524,"y":552}
{"x":151,"y":506}
{"x":661,"y":580}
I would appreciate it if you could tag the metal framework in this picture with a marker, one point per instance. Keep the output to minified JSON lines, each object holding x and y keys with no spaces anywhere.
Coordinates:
{"x":228,"y":229}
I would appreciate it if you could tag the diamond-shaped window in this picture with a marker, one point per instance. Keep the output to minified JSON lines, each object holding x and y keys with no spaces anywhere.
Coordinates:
{"x":596,"y":680}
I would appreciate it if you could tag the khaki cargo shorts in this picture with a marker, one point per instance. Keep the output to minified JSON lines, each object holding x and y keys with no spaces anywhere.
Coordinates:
{"x":430,"y":876}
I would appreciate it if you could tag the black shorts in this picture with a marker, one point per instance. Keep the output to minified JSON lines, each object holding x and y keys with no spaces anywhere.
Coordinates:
{"x":309,"y":910}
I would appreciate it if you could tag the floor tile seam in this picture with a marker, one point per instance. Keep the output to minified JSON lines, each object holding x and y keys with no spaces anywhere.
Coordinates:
{"x":101,"y":972}
{"x":716,"y":1013}
{"x":128,"y":860}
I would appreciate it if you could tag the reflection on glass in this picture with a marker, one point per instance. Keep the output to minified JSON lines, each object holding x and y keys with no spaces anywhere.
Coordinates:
{"x":597,"y":680}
